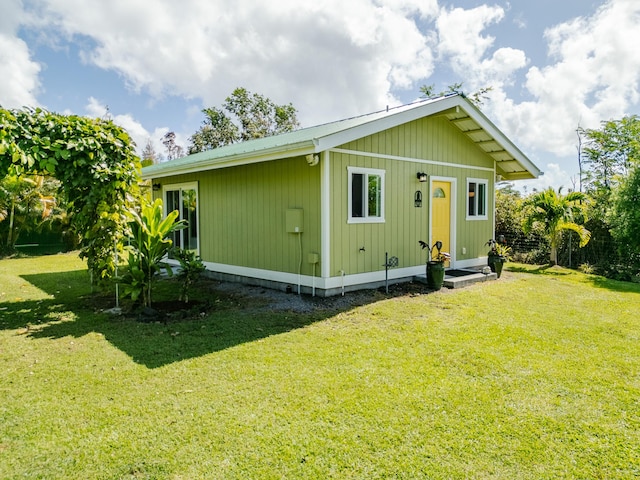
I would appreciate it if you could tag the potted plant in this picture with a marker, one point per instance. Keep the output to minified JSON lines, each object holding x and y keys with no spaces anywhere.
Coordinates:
{"x":498,"y":254}
{"x":435,"y":264}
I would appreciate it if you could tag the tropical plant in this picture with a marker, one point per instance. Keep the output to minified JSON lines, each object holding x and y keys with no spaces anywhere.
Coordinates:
{"x":27,"y":202}
{"x":435,"y":253}
{"x":191,"y":268}
{"x":499,"y":248}
{"x":552,"y":212}
{"x":149,"y":246}
{"x":504,"y":251}
{"x":95,"y":161}
{"x":435,"y":264}
{"x":498,"y":254}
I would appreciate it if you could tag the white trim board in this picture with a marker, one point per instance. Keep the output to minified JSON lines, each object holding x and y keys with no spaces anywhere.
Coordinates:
{"x":308,"y":280}
{"x":412,"y":160}
{"x":325,"y":214}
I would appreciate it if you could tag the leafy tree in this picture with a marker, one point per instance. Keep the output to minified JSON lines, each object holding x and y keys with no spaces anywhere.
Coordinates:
{"x":96,"y":164}
{"x":611,"y":151}
{"x":508,"y":211}
{"x":625,"y":214}
{"x":552,"y":212}
{"x":149,"y":155}
{"x":243,"y":116}
{"x":610,"y":155}
{"x":216,"y":131}
{"x":173,"y":149}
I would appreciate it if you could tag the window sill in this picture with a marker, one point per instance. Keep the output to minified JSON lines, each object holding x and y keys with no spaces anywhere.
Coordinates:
{"x":365,"y":220}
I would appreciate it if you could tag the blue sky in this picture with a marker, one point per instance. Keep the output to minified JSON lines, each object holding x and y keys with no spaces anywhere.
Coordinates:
{"x":553,"y":65}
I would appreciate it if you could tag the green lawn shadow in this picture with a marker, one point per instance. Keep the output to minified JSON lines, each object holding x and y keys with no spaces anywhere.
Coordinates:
{"x":228,"y":324}
{"x":596,"y":280}
{"x":549,"y":270}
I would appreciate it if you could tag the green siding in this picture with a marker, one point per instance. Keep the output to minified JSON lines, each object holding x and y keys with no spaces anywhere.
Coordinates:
{"x":242,"y":209}
{"x":432,"y":139}
{"x":404,"y":224}
{"x":242,"y":214}
{"x":473,"y":234}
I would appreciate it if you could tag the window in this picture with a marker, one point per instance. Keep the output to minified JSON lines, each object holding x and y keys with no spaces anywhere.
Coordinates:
{"x":477,"y":199}
{"x":366,"y":195}
{"x":184,"y":198}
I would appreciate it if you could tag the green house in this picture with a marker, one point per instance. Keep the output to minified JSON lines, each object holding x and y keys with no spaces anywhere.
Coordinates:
{"x":320,"y":209}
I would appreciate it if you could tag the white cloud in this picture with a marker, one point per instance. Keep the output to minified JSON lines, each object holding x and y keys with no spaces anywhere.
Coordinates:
{"x":18,"y":72}
{"x":460,"y":33}
{"x":555,"y":176}
{"x":594,"y":76}
{"x":136,"y":130}
{"x":333,"y":59}
{"x":329,"y":58}
{"x":463,"y":44}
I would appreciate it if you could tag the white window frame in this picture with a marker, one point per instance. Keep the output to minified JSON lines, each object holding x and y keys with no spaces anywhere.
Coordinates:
{"x":184,"y":186}
{"x":366,"y":172}
{"x":475,"y":215}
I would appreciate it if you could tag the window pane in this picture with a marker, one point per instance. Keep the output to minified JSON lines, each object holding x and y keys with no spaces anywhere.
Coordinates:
{"x":173,"y":203}
{"x":185,"y":202}
{"x":472,"y":199}
{"x":357,"y":195}
{"x":375,"y":185}
{"x":190,"y":214}
{"x":482,"y":199}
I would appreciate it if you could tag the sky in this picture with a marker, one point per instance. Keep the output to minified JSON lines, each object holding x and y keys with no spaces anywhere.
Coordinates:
{"x":152,"y":66}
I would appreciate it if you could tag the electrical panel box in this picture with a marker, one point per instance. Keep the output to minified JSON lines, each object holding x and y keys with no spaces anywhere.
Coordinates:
{"x":293,"y":220}
{"x":313,"y":258}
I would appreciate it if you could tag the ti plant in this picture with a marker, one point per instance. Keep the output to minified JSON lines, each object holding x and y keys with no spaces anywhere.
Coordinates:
{"x":435,"y":254}
{"x":150,"y":243}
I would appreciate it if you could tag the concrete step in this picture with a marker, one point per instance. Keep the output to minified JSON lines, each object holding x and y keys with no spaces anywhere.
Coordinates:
{"x":461,"y":278}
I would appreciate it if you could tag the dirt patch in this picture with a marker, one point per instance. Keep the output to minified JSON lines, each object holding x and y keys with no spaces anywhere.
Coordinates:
{"x":217,"y":295}
{"x":266,"y":299}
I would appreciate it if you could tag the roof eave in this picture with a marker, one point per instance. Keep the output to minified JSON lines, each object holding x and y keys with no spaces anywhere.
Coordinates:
{"x":377,"y":125}
{"x":167,"y":170}
{"x":448,"y":105}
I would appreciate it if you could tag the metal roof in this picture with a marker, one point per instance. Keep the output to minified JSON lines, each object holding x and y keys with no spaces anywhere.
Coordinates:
{"x":511,"y":163}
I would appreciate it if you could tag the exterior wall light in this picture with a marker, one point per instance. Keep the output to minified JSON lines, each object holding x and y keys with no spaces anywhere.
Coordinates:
{"x":417,"y":199}
{"x":422,"y":177}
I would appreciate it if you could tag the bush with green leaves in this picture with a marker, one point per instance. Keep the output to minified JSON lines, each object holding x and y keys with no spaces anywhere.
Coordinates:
{"x":97,"y":166}
{"x":150,"y":244}
{"x":191,"y":268}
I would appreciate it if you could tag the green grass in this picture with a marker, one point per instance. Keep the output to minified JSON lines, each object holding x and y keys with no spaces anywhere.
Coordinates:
{"x":536,"y":375}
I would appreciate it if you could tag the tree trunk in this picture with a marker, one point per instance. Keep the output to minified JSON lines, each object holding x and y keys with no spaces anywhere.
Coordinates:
{"x":554,"y":249}
{"x":10,"y":240}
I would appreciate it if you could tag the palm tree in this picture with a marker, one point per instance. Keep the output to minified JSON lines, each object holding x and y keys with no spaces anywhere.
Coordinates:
{"x":25,"y":203}
{"x":552,"y":212}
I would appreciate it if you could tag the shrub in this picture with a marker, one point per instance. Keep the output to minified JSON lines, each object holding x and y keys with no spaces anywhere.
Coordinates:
{"x":191,"y":267}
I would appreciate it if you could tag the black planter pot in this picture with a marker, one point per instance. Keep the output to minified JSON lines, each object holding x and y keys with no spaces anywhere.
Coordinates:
{"x":496,"y":263}
{"x":435,"y":275}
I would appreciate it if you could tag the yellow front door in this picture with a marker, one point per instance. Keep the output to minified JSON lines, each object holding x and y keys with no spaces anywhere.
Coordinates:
{"x":441,"y":214}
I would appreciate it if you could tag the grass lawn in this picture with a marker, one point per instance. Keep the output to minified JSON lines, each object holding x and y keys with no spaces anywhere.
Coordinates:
{"x":533,"y":376}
